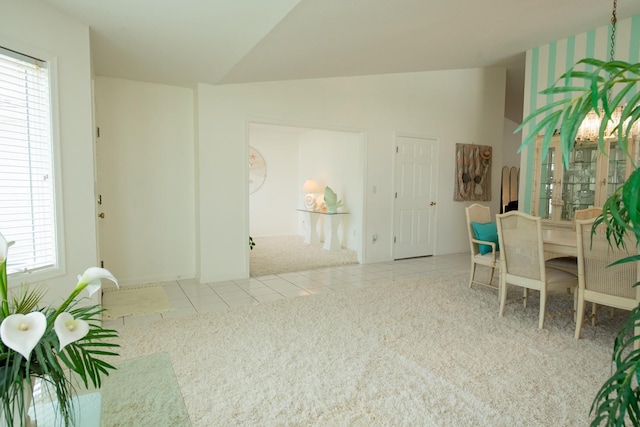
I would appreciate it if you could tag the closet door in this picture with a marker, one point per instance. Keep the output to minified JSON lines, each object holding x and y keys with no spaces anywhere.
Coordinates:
{"x":414,"y":197}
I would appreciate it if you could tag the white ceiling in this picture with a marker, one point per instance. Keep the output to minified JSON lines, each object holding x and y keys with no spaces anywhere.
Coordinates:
{"x":233,"y":41}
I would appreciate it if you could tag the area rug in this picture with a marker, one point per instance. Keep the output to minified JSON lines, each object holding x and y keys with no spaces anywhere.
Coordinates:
{"x":285,"y":254}
{"x":134,"y":301}
{"x":428,"y":352}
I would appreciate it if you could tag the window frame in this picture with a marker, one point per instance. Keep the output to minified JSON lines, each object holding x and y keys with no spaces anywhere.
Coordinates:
{"x":59,"y":267}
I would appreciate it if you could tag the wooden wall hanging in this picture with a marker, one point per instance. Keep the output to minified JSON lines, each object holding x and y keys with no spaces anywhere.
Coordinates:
{"x":473,"y":172}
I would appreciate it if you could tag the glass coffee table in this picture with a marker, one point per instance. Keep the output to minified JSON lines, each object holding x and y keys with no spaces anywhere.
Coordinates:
{"x":141,"y":392}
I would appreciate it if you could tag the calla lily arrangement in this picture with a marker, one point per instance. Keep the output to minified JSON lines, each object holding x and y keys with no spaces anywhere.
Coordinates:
{"x":49,"y":343}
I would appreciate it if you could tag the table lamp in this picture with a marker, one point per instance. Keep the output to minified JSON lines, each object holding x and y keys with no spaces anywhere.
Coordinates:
{"x":311,"y":188}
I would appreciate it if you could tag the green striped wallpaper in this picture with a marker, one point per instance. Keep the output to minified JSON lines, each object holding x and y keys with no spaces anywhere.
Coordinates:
{"x":545,"y":64}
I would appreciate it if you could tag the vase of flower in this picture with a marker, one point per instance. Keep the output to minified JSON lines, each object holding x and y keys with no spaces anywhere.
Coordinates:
{"x":331,"y":200}
{"x":18,"y":413}
{"x":48,"y":342}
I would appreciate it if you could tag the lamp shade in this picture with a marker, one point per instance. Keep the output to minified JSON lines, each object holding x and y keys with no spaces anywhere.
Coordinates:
{"x":310,"y":186}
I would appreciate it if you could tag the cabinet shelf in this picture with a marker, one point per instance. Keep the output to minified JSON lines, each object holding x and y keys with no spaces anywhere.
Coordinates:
{"x":591,"y":177}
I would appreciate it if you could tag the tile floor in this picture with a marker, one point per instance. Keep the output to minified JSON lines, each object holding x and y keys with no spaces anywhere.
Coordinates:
{"x":188,"y":297}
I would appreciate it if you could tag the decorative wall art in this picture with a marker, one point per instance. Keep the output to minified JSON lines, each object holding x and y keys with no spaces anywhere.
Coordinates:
{"x":257,"y":170}
{"x":473,"y":172}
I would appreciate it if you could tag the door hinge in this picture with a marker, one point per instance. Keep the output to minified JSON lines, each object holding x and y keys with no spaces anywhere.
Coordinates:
{"x":396,"y":195}
{"x":101,"y":264}
{"x":394,"y":239}
{"x":397,"y":149}
{"x":98,"y":132}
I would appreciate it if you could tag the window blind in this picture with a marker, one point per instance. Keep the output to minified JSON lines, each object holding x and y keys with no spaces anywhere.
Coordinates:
{"x":27,"y":214}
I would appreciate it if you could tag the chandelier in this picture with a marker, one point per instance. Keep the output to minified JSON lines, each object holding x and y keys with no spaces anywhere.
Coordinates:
{"x":589,"y":129}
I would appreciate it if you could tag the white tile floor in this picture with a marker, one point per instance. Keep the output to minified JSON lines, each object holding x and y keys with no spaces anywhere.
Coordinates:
{"x":188,"y":297}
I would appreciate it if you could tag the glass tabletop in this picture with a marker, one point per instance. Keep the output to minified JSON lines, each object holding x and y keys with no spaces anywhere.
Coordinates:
{"x":323,"y":213}
{"x":141,"y":391}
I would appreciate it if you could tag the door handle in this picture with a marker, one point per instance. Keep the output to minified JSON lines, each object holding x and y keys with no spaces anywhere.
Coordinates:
{"x":101,"y":215}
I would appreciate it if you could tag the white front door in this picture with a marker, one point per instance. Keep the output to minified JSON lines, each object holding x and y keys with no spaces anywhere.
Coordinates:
{"x":415,"y":204}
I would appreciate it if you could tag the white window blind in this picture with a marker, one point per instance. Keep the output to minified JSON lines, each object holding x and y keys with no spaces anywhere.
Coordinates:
{"x":27,"y":210}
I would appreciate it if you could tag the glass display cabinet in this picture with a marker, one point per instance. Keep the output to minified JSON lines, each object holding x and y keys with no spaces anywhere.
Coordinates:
{"x":592,"y":176}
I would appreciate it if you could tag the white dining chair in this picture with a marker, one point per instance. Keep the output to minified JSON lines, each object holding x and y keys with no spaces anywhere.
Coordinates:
{"x":483,"y":252}
{"x":522,"y":260}
{"x":600,"y":282}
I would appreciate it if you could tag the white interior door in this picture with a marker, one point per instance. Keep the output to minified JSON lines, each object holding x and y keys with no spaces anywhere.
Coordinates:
{"x":415,"y":204}
{"x":96,"y":190}
{"x":103,"y":234}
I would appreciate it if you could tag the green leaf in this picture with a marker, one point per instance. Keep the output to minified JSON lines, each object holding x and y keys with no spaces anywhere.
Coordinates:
{"x":541,"y":111}
{"x":549,"y":122}
{"x":554,"y":90}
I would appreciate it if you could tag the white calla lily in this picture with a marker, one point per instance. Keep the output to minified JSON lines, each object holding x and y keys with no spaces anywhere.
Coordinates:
{"x":21,"y":332}
{"x":4,"y":247}
{"x":69,"y":329}
{"x":4,"y":294}
{"x":91,"y":279}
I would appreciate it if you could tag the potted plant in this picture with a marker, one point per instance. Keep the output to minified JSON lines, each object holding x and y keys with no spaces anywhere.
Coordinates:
{"x":604,"y":87}
{"x":47,"y":343}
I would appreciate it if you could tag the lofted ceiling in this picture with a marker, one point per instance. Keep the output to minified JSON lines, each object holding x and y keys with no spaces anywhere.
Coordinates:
{"x":235,"y":41}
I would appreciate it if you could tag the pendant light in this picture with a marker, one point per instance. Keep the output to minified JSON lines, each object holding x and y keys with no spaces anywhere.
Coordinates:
{"x":589,"y":129}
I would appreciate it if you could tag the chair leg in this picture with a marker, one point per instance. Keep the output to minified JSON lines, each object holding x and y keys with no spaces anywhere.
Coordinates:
{"x":526,"y":296}
{"x":580,"y":314}
{"x":493,"y":269}
{"x":473,"y":272}
{"x":594,"y":312}
{"x":543,"y":307}
{"x":502,"y":294}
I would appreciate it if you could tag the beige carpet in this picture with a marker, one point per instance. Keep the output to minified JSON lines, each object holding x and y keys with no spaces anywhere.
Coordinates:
{"x":284,"y":254}
{"x":134,"y":301}
{"x":428,"y":352}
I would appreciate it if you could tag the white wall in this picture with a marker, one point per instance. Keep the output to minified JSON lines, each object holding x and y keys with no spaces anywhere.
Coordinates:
{"x":460,"y":106}
{"x":35,"y":28}
{"x":273,"y":206}
{"x":146,"y":179}
{"x":511,"y":143}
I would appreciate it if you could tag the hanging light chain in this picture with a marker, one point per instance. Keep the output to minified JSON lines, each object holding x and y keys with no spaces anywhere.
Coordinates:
{"x":614,"y":21}
{"x":612,"y":52}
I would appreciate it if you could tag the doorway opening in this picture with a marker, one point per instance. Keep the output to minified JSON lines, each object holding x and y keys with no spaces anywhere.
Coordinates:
{"x":292,"y":155}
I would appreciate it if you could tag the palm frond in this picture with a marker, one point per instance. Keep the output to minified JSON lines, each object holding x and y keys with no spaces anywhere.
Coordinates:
{"x":604,"y":77}
{"x":618,"y":399}
{"x":27,"y":300}
{"x":83,"y":356}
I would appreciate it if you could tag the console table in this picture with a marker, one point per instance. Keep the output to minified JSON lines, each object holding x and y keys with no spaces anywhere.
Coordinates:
{"x":331,"y":240}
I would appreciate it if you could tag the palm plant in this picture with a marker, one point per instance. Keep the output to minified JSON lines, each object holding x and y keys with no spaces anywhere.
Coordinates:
{"x":604,"y":86}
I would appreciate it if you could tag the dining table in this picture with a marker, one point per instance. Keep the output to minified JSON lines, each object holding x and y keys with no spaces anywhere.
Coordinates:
{"x":562,"y":242}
